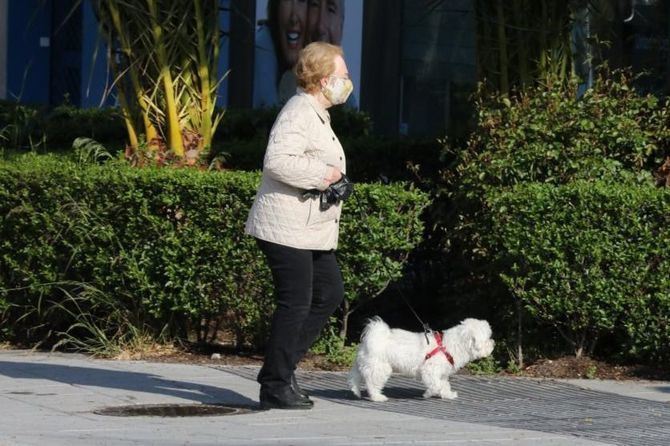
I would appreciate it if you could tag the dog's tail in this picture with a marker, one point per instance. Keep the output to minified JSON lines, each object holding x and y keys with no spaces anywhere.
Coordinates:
{"x":375,"y":333}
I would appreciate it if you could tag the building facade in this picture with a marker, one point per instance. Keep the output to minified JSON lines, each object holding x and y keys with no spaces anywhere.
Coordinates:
{"x":414,"y":62}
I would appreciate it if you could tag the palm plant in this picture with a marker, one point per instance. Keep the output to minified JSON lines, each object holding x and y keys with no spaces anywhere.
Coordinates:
{"x":164,"y":55}
{"x":523,"y":41}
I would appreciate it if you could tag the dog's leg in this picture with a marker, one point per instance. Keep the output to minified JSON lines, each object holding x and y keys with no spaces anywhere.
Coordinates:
{"x":445,"y":392}
{"x":431,"y":378}
{"x":355,"y":379}
{"x":375,"y":378}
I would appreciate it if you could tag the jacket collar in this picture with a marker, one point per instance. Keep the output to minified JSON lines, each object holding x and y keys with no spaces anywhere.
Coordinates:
{"x":320,"y":110}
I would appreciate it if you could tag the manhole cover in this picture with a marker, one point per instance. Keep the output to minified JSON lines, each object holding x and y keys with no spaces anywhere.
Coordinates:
{"x":174,"y":410}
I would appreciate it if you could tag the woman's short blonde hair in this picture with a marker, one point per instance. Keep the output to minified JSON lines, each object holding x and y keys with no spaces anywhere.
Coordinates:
{"x":316,"y":61}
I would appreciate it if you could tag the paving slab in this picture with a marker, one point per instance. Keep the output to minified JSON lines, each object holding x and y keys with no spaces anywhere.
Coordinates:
{"x":51,"y":399}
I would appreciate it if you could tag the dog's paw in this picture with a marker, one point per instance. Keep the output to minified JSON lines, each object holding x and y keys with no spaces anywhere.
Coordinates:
{"x":378,"y":398}
{"x":356,"y":391}
{"x":428,"y":394}
{"x":450,"y":395}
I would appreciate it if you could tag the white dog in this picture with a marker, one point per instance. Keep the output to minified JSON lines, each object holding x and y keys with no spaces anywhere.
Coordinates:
{"x":385,"y":350}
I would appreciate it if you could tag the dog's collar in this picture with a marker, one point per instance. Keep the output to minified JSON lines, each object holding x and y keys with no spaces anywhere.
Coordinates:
{"x":440,"y":348}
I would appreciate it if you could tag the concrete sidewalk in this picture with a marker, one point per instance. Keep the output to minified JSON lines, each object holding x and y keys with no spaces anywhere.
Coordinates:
{"x":50,"y":399}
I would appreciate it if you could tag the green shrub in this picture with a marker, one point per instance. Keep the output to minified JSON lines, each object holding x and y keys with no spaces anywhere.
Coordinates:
{"x":591,"y":259}
{"x":33,"y":127}
{"x":65,"y":123}
{"x":165,"y":245}
{"x":21,"y":125}
{"x":551,"y":135}
{"x":547,"y":134}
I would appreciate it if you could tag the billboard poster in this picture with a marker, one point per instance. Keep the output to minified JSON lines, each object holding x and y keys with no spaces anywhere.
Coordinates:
{"x":284,"y":27}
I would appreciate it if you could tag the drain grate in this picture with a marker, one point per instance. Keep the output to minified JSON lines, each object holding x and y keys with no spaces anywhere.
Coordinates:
{"x":538,"y":405}
{"x":174,"y":410}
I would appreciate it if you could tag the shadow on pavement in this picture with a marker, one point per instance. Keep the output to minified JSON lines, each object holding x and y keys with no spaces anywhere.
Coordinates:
{"x":124,"y":380}
{"x":391,"y":392}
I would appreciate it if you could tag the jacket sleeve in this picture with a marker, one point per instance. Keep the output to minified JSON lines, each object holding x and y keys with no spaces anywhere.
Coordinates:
{"x":286,"y":159}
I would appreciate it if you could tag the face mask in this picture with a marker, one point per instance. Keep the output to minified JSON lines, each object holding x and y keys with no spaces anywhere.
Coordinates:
{"x":337,"y":90}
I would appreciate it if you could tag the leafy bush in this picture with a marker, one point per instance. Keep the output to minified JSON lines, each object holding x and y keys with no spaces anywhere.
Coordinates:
{"x":166,"y":246}
{"x":591,"y":259}
{"x":552,"y":135}
{"x":65,"y":123}
{"x":546,"y":134}
{"x":35,"y":127}
{"x":20,"y":125}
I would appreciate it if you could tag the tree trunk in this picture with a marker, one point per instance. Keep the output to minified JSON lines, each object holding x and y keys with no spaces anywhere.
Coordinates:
{"x":204,"y":77}
{"x":174,"y":129}
{"x":126,"y":49}
{"x":346,"y":312}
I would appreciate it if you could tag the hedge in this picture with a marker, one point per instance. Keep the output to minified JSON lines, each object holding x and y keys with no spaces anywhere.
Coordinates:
{"x":549,"y":134}
{"x":27,"y":126}
{"x":591,"y":259}
{"x":164,"y":248}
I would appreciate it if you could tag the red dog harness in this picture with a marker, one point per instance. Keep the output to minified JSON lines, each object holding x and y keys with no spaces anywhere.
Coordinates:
{"x":440,"y":348}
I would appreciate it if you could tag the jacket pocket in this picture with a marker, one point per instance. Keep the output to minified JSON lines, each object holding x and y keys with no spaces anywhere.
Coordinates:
{"x":317,"y":216}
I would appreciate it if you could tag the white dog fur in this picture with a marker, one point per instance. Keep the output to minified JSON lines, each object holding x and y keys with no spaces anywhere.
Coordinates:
{"x":385,"y":350}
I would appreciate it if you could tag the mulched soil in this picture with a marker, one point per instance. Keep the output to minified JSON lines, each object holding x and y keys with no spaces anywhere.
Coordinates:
{"x":571,"y":367}
{"x":223,"y":357}
{"x":563,"y":367}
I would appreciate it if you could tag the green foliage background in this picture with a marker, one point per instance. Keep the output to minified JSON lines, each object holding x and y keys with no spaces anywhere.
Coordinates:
{"x":551,"y":141}
{"x":589,"y":258}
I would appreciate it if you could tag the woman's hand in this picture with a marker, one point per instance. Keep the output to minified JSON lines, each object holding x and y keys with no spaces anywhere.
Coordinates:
{"x":335,"y":175}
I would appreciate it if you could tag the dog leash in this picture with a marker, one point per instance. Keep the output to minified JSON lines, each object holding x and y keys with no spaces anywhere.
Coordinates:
{"x":426,"y":328}
{"x":427,"y":331}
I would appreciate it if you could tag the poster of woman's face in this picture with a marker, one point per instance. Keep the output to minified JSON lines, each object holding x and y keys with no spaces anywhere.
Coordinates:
{"x":291,"y":33}
{"x":287,"y":26}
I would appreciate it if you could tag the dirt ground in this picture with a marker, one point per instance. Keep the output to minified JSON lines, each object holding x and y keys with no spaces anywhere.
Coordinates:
{"x":571,"y":367}
{"x":563,"y":367}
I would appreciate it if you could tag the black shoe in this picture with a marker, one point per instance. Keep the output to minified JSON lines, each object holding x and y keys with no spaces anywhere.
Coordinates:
{"x":283,"y":398}
{"x":297,"y":389}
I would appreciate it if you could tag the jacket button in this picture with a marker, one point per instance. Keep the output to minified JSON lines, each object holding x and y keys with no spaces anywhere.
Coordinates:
{"x":336,"y":220}
{"x":333,"y":138}
{"x":340,"y":158}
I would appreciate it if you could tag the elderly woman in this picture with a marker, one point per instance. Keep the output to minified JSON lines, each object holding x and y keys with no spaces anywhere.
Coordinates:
{"x":295,"y":219}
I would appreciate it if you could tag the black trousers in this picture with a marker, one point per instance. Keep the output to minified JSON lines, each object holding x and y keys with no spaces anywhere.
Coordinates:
{"x":308,"y":288}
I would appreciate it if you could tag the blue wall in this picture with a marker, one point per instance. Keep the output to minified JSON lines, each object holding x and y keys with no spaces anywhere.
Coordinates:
{"x":29,"y":76}
{"x":224,"y":53}
{"x":28,"y":67}
{"x":94,"y":75}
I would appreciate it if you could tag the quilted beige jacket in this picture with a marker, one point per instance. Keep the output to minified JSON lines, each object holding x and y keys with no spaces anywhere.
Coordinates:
{"x":301,"y":150}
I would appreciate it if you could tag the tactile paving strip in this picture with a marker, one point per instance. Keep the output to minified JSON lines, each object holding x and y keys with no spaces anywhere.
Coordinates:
{"x":538,"y":405}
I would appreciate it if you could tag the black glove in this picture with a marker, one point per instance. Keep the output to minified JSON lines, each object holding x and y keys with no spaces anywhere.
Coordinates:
{"x":341,"y":189}
{"x":338,"y":191}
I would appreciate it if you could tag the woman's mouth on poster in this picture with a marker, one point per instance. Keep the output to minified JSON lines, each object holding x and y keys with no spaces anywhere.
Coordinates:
{"x":293,"y":39}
